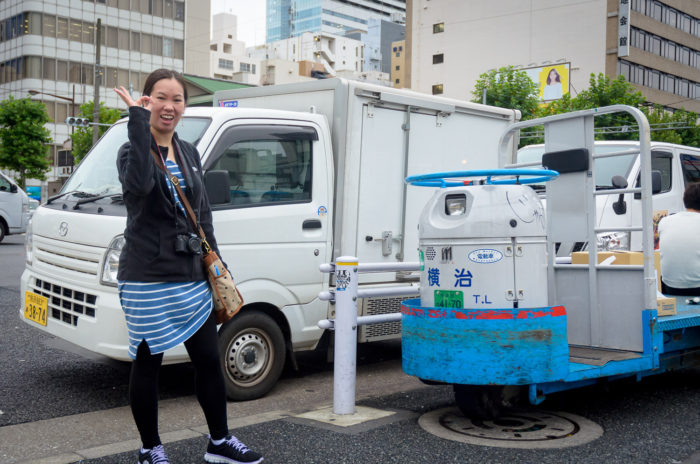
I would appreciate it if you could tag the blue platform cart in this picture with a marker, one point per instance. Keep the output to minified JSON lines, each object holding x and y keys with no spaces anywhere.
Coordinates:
{"x":500,"y":317}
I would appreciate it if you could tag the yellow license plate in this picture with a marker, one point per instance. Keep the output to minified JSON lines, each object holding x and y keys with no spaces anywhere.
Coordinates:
{"x":35,"y":307}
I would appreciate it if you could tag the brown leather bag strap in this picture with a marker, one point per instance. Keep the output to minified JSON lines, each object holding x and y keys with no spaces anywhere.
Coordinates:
{"x":183,"y":199}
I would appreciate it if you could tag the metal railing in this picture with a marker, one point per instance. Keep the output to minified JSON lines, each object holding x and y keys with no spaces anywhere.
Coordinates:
{"x":345,"y":295}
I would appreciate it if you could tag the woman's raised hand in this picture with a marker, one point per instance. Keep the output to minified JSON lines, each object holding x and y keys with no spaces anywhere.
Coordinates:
{"x":144,"y":101}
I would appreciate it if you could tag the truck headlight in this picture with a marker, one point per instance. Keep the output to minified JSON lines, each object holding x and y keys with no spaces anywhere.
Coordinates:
{"x":110,"y":264}
{"x":614,"y":241}
{"x":29,"y":243}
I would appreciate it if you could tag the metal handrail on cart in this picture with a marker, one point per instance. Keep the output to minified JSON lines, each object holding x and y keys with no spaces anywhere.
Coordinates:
{"x":584,"y":134}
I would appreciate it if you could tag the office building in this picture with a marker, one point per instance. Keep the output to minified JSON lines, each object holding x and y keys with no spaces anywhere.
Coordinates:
{"x":228,"y":54}
{"x":48,"y":48}
{"x":378,"y":43}
{"x":332,"y":53}
{"x":290,"y":18}
{"x":398,"y":64}
{"x":654,"y":44}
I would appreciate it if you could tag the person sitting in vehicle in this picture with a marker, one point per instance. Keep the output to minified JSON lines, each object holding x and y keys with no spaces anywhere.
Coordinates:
{"x":679,"y":246}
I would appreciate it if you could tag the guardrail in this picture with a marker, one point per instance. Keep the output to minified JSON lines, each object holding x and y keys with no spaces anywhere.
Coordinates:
{"x":345,"y":295}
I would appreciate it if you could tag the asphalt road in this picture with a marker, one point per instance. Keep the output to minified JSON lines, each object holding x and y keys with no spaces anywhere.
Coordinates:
{"x":656,"y":420}
{"x":652,"y":422}
{"x":11,"y":261}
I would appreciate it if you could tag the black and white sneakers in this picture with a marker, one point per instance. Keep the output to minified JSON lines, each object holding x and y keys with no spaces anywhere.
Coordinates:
{"x":231,"y":451}
{"x":155,"y":455}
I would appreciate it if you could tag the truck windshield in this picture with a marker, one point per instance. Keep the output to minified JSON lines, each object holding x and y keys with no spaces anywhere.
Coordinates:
{"x":97,"y":173}
{"x":605,"y":168}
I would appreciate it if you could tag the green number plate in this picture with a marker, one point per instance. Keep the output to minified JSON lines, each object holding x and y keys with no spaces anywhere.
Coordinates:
{"x":449,"y":299}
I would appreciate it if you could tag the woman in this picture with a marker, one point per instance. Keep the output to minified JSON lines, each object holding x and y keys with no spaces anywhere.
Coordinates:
{"x":553,"y":90}
{"x":162,"y":285}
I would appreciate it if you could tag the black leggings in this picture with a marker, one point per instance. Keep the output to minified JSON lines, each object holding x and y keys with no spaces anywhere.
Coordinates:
{"x":209,"y":385}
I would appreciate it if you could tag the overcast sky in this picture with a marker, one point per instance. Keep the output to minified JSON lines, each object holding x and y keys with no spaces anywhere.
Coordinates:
{"x":251,"y":18}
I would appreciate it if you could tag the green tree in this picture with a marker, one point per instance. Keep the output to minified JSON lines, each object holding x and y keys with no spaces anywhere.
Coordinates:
{"x":82,"y":137}
{"x":25,"y":140}
{"x":602,"y":91}
{"x":679,"y":126}
{"x":508,"y":88}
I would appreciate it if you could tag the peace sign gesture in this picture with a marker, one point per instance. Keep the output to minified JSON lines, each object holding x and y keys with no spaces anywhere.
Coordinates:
{"x":144,"y":101}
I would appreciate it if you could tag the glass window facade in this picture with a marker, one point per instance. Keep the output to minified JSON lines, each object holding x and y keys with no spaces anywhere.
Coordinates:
{"x":46,"y":25}
{"x":655,"y":79}
{"x":290,"y":18}
{"x":663,"y":47}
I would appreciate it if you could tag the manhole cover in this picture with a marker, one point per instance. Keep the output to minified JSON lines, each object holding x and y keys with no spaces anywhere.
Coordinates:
{"x":526,"y":429}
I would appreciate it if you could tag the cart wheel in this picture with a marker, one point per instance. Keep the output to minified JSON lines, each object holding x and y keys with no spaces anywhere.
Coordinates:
{"x":483,"y":402}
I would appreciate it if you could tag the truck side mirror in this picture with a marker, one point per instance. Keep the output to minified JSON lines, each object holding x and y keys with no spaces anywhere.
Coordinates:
{"x":13,"y":188}
{"x":218,"y":187}
{"x":620,"y":206}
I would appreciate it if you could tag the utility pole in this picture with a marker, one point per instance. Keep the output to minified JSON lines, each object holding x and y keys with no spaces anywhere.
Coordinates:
{"x":98,"y":74}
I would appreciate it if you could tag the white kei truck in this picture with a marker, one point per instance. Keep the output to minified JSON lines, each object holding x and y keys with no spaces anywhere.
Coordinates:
{"x":14,"y":208}
{"x":297,"y":176}
{"x":673,"y":168}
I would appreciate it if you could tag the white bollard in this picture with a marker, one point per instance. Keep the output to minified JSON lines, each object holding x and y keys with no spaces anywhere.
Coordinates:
{"x":345,"y":356}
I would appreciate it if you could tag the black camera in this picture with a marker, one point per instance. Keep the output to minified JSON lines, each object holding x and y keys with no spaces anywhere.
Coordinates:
{"x":188,"y":244}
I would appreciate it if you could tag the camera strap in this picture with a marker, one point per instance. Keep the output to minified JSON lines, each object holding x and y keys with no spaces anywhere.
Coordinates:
{"x":183,"y":199}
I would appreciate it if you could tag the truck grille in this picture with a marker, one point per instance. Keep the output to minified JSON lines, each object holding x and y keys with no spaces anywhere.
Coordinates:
{"x":384,"y":330}
{"x":57,"y":256}
{"x":65,"y":304}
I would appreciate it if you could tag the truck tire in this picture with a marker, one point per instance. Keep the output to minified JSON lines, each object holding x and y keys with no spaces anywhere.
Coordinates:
{"x":252,"y":350}
{"x":2,"y":230}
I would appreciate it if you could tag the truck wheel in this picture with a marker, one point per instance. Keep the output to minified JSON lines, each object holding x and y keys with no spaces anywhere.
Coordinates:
{"x":484,"y":402}
{"x":2,"y":230}
{"x":252,"y":352}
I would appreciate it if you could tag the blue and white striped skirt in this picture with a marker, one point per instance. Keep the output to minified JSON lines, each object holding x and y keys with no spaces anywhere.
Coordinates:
{"x":164,"y":314}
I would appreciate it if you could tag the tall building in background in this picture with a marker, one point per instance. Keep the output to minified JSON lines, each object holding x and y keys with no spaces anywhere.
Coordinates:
{"x":378,"y":42}
{"x":654,"y":44}
{"x":228,"y":54}
{"x":398,"y":64}
{"x":307,"y":55}
{"x":290,"y":18}
{"x":47,"y":49}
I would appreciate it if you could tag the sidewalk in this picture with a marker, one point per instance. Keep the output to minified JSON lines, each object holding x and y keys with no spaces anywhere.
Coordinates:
{"x":104,"y":433}
{"x":398,"y":438}
{"x":650,"y":422}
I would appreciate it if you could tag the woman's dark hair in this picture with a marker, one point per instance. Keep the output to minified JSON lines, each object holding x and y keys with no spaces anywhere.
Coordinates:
{"x":160,"y":74}
{"x":556,"y":79}
{"x":691,"y":196}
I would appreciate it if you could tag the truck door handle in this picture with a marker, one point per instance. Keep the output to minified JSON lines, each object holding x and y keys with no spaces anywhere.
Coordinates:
{"x":311,"y":224}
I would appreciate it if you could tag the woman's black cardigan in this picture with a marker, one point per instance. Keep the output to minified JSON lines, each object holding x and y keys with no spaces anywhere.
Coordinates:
{"x":153,"y":219}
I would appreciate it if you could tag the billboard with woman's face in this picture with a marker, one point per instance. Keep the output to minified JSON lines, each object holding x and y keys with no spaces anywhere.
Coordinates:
{"x":552,"y":81}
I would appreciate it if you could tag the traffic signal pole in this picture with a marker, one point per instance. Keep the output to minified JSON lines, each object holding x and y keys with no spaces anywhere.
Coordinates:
{"x":98,"y":74}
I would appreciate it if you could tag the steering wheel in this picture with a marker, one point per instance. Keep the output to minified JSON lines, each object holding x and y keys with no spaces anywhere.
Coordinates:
{"x":439,"y":179}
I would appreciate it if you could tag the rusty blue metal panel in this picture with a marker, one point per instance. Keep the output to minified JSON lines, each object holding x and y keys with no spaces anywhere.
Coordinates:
{"x":479,"y":347}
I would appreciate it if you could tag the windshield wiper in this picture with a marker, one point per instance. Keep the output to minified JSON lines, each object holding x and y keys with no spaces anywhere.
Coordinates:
{"x":82,"y":201}
{"x":77,"y":193}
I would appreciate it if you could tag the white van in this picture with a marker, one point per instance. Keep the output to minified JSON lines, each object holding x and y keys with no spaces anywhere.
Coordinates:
{"x":290,"y":190}
{"x":676,"y":166}
{"x":14,"y":208}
